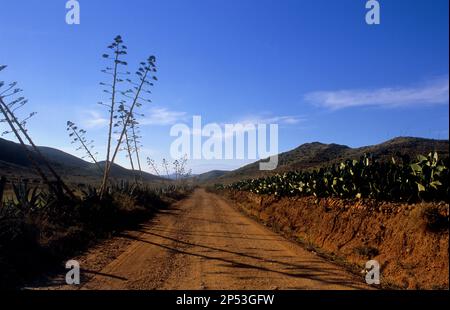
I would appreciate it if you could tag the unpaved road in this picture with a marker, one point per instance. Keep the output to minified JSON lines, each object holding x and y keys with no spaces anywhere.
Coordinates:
{"x":204,"y":243}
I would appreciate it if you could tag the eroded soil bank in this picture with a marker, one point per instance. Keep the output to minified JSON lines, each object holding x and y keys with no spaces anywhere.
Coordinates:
{"x":409,"y":241}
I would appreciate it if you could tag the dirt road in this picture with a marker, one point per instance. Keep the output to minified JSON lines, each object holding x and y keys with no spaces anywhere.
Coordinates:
{"x":204,"y":243}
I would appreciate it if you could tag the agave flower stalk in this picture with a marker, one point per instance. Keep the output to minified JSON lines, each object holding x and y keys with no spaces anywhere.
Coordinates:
{"x":79,"y":136}
{"x":144,"y":73}
{"x":118,"y":49}
{"x":59,"y":181}
{"x":135,"y":137}
{"x":129,"y":150}
{"x":166,"y":167}
{"x":43,"y":158}
{"x":151,"y":163}
{"x":180,"y":168}
{"x":13,"y":121}
{"x":30,"y":155}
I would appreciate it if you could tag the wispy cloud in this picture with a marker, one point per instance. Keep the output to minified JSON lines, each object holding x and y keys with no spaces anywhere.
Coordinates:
{"x":249,"y":125}
{"x":280,"y":120}
{"x":153,"y":116}
{"x":435,"y":91}
{"x":162,"y":116}
{"x":94,"y":119}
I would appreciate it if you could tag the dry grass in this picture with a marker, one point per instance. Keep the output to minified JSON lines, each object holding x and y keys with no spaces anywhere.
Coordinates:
{"x":35,"y":241}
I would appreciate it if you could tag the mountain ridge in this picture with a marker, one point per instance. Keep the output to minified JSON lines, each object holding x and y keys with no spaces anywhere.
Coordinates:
{"x":313,"y":155}
{"x":14,"y":161}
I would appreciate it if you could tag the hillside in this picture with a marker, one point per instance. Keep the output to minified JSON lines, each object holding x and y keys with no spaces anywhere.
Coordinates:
{"x":210,"y":175}
{"x":14,"y":163}
{"x":316,"y":154}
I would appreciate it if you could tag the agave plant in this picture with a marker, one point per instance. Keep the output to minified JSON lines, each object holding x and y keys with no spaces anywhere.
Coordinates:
{"x":26,"y":198}
{"x":125,"y":187}
{"x":90,"y":193}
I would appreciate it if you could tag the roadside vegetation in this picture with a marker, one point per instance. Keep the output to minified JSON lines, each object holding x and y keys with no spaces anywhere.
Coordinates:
{"x":394,"y":211}
{"x":38,"y":230}
{"x":44,"y":222}
{"x":399,"y":180}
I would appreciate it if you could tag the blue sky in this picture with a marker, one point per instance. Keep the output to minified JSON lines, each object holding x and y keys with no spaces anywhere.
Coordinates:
{"x":313,"y":66}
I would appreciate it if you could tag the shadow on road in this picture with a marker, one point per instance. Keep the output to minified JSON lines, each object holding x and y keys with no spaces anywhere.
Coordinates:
{"x":324,"y":275}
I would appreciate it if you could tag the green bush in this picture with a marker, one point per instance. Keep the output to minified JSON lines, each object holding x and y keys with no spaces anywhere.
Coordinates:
{"x":426,"y":179}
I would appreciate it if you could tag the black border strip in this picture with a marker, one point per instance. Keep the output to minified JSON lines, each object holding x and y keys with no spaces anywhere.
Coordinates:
{"x":377,"y":299}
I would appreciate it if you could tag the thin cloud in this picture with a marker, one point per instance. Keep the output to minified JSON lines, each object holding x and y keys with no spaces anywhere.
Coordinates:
{"x":250,"y":124}
{"x":162,"y":116}
{"x":280,"y":120}
{"x":94,"y":120}
{"x":432,"y":92}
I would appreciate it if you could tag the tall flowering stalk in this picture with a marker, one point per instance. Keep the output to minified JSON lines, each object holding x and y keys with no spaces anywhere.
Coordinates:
{"x":118,"y":50}
{"x":123,"y":118}
{"x":18,"y":128}
{"x":78,"y":136}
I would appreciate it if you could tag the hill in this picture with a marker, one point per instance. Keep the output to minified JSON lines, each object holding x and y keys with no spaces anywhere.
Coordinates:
{"x":315,"y":155}
{"x":14,"y":163}
{"x":210,"y":175}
